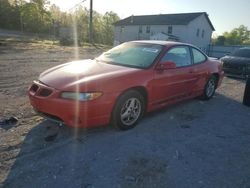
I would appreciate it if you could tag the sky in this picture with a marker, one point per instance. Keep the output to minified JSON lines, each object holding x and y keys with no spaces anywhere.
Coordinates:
{"x":224,"y":14}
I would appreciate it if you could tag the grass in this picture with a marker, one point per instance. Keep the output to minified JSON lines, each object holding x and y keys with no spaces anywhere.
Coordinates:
{"x":42,"y":41}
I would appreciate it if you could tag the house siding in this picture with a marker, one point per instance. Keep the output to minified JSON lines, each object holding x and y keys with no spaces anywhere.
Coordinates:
{"x":185,"y":33}
{"x":200,"y":23}
{"x":130,"y":33}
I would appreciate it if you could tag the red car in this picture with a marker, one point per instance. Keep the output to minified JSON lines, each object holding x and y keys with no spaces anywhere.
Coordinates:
{"x":123,"y":83}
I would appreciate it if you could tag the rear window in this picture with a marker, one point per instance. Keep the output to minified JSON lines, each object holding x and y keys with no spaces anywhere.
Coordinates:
{"x":242,"y":53}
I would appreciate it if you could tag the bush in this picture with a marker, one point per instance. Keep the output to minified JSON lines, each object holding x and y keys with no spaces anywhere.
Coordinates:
{"x":66,"y":41}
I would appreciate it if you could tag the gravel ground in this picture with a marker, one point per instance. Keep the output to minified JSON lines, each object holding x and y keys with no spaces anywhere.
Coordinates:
{"x":191,"y":144}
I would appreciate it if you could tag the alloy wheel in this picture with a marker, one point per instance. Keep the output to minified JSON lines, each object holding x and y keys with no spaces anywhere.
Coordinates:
{"x":130,"y":111}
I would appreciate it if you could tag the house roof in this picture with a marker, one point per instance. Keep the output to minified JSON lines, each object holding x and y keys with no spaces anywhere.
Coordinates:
{"x":163,"y":19}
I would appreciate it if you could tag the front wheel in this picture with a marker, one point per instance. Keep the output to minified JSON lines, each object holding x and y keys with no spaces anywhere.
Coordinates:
{"x":128,"y":110}
{"x":210,"y":88}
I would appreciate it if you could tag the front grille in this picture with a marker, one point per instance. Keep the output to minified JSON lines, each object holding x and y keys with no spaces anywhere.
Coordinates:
{"x":233,"y":66}
{"x":45,"y":92}
{"x":34,"y":88}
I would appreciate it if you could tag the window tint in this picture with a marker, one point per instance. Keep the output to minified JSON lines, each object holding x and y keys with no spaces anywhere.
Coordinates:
{"x":198,"y":56}
{"x":179,"y":55}
{"x":244,"y":52}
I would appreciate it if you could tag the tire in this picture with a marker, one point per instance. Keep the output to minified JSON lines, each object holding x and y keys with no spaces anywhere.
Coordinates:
{"x":210,"y":88}
{"x":128,"y":110}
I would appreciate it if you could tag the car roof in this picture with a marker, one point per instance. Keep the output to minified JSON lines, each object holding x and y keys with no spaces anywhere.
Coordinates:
{"x":160,"y":42}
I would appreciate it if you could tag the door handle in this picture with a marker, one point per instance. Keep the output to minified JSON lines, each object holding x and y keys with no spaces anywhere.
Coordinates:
{"x":192,"y":70}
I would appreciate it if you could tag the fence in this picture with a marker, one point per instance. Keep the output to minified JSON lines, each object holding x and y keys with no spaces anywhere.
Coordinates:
{"x":220,"y":51}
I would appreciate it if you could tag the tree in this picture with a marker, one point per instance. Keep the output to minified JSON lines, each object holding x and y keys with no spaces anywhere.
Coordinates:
{"x":35,"y":19}
{"x":9,"y":14}
{"x":220,"y":40}
{"x":38,"y":16}
{"x":109,"y":19}
{"x":237,"y":36}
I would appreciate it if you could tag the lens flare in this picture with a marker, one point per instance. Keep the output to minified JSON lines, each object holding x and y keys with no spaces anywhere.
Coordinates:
{"x":76,"y":56}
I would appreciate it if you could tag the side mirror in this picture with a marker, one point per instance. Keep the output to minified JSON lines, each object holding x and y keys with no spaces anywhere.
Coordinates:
{"x":166,"y":65}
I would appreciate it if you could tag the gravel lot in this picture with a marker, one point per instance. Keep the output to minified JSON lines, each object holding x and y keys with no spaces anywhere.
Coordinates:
{"x":191,"y":144}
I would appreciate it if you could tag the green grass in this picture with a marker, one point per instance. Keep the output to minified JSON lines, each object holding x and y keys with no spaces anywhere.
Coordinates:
{"x":41,"y":41}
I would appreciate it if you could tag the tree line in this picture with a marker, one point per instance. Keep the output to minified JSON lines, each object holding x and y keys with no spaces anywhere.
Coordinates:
{"x":238,"y":36}
{"x":39,"y":16}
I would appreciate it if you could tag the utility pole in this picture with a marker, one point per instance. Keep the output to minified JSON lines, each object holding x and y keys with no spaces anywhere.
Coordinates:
{"x":91,"y":22}
{"x":21,"y":22}
{"x":90,"y":18}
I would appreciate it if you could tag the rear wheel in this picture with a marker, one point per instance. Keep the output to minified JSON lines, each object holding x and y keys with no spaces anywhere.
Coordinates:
{"x":128,"y":110}
{"x":210,"y":88}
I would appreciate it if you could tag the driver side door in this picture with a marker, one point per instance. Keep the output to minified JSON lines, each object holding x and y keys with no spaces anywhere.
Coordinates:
{"x":172,"y":85}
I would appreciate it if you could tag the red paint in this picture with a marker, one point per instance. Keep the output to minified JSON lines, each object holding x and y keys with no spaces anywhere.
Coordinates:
{"x":163,"y":87}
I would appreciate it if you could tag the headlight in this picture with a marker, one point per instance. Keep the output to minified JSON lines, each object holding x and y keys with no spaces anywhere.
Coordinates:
{"x":81,"y":96}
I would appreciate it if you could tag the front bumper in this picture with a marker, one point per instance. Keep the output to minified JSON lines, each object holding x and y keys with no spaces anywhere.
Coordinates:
{"x":47,"y":102}
{"x":236,"y":70}
{"x":237,"y":73}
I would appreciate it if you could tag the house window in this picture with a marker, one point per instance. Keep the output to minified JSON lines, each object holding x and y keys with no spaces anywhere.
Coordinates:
{"x":140,"y":29}
{"x":122,"y":29}
{"x":198,"y":32}
{"x":203,"y":33}
{"x":170,"y":29}
{"x":148,"y":29}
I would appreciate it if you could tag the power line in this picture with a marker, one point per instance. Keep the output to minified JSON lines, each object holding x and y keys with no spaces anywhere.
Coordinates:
{"x":90,"y":18}
{"x":76,"y":5}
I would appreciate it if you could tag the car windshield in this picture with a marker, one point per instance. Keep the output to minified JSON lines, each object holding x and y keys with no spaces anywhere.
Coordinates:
{"x":132,"y":54}
{"x":242,"y":53}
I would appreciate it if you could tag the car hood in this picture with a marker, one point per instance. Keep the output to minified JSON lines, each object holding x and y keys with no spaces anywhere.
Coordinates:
{"x":233,"y":59}
{"x":79,"y":72}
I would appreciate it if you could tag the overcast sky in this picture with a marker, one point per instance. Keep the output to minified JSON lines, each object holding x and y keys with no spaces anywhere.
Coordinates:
{"x":224,"y":14}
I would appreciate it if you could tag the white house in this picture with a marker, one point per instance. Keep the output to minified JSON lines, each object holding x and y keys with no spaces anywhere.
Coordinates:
{"x":194,"y":28}
{"x":164,"y":36}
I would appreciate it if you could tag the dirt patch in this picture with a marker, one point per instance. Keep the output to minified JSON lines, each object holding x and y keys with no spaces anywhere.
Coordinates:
{"x":144,"y":172}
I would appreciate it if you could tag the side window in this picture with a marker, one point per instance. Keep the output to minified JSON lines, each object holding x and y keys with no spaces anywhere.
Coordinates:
{"x":140,"y":29}
{"x":198,"y":56}
{"x":170,"y":29}
{"x":198,"y":32}
{"x":179,"y":55}
{"x":148,"y":29}
{"x":203,"y":33}
{"x":122,"y":29}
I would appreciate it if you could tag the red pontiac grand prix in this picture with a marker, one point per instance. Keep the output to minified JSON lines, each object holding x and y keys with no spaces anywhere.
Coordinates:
{"x":123,"y":83}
